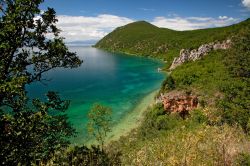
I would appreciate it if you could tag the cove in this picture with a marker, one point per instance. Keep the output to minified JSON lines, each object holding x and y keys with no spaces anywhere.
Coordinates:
{"x":117,"y":80}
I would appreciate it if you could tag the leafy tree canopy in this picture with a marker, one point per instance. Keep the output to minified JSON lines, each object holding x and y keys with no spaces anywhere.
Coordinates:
{"x":100,"y":122}
{"x":30,"y":45}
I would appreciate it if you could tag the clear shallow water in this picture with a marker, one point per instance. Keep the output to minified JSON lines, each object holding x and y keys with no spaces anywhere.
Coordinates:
{"x":116,"y":80}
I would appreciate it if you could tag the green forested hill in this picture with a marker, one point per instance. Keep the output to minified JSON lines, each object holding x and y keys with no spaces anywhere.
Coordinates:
{"x":143,"y":38}
{"x":217,"y":131}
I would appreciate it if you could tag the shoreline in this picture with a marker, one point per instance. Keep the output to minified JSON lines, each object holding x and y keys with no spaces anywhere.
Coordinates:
{"x":132,"y":54}
{"x":131,"y":121}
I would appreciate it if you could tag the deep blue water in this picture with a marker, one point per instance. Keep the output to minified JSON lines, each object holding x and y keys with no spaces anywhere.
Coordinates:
{"x":116,"y":80}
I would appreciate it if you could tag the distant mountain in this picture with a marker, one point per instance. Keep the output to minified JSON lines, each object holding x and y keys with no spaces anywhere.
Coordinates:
{"x":82,"y":43}
{"x":143,"y":38}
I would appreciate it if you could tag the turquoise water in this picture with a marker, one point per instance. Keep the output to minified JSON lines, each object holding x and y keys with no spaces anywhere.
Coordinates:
{"x":116,"y":80}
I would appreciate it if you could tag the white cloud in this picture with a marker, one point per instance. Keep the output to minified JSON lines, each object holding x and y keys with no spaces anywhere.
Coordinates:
{"x":246,"y":3}
{"x":223,"y":17}
{"x":191,"y":23}
{"x":82,"y":28}
{"x":199,"y":18}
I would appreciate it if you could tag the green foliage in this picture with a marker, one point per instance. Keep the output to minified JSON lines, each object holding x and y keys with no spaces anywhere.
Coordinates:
{"x":35,"y":130}
{"x":167,"y":122}
{"x":86,"y":156}
{"x":38,"y":132}
{"x":239,"y":56}
{"x":204,"y":145}
{"x":157,"y":120}
{"x":243,"y":159}
{"x":151,"y":116}
{"x":221,"y":81}
{"x":29,"y":136}
{"x":167,"y":85}
{"x":26,"y":53}
{"x":221,"y":74}
{"x":54,"y":102}
{"x":236,"y":103}
{"x":164,"y":139}
{"x":100,"y":122}
{"x":142,"y":38}
{"x":205,"y":75}
{"x":222,"y":77}
{"x":198,"y":116}
{"x":248,"y":126}
{"x":237,"y":91}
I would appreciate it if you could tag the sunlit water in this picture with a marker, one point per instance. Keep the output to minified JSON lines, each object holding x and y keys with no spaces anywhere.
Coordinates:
{"x":116,"y":80}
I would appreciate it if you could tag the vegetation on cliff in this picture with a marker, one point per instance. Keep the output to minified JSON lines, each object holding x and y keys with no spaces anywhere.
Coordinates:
{"x":143,"y":38}
{"x":217,"y":132}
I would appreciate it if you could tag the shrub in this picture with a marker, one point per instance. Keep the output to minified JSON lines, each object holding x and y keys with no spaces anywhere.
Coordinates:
{"x":168,"y":84}
{"x":237,"y":91}
{"x":100,"y":122}
{"x":85,"y":156}
{"x":198,"y":116}
{"x":243,"y":160}
{"x":167,"y":122}
{"x":149,"y":123}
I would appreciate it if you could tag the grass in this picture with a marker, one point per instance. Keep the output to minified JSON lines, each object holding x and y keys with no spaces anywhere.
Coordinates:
{"x":181,"y":142}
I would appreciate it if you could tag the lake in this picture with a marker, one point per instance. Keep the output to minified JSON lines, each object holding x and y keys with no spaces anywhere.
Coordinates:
{"x":116,"y":80}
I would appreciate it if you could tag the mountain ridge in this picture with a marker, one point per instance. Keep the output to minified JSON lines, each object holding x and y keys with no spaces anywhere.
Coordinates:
{"x":144,"y":39}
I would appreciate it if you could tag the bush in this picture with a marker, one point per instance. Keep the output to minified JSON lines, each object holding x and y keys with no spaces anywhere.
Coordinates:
{"x":168,"y":84}
{"x":148,"y":126}
{"x":237,"y":91}
{"x":157,"y":119}
{"x":167,"y":122}
{"x":86,"y":156}
{"x":189,"y":79}
{"x":243,"y":159}
{"x":198,"y":116}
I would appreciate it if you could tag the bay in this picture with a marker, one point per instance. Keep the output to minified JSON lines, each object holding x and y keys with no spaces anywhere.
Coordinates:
{"x":116,"y":80}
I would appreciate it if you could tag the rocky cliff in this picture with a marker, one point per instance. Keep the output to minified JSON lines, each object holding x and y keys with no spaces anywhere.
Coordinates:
{"x":195,"y":54}
{"x":178,"y":102}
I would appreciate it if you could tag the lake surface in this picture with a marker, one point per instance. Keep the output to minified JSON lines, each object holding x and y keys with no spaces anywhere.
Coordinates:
{"x":116,"y":80}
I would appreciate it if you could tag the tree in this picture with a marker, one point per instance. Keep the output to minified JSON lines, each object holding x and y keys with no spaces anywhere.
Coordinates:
{"x":239,"y":56}
{"x":30,"y":46}
{"x":235,"y":106}
{"x":167,"y":85}
{"x":99,"y":122}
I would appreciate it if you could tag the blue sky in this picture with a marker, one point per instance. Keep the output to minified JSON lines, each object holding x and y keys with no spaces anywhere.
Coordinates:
{"x":90,"y":20}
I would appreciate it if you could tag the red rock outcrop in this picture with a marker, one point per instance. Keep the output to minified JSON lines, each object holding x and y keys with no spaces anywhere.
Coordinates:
{"x":179,"y":102}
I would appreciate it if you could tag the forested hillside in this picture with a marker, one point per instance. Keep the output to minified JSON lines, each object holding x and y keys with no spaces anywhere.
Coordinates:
{"x":143,"y":38}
